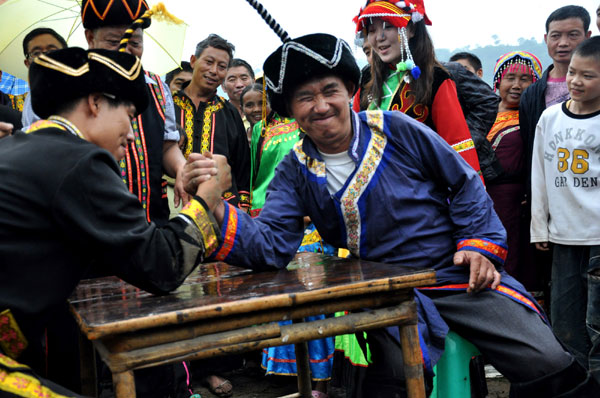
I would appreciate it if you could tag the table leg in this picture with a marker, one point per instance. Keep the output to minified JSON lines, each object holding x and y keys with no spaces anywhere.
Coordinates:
{"x":303,"y":368}
{"x":413,"y":361}
{"x":124,"y":384}
{"x":87,"y":364}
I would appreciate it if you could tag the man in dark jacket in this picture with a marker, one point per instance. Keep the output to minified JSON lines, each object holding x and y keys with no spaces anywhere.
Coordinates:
{"x":64,"y":211}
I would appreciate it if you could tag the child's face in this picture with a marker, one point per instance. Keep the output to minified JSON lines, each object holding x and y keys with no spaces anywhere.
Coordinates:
{"x":583,"y":80}
{"x":252,"y":106}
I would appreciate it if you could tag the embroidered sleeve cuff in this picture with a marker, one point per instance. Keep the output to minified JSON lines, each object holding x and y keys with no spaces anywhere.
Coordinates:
{"x":197,"y":211}
{"x":495,"y":251}
{"x":464,"y":145}
{"x":12,"y":340}
{"x":244,"y":200}
{"x":229,"y":231}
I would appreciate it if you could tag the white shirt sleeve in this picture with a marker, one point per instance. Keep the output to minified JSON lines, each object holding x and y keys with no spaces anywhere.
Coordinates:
{"x":28,"y":117}
{"x":539,"y":194}
{"x":170,"y":133}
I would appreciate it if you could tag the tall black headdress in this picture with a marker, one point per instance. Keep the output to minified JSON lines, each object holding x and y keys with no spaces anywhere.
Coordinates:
{"x":301,"y":59}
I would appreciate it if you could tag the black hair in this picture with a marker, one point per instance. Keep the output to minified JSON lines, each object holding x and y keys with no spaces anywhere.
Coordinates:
{"x":252,"y":87}
{"x":185,"y":67}
{"x":38,"y":32}
{"x":215,"y":41}
{"x":567,"y":12}
{"x":471,"y":58}
{"x":240,"y":62}
{"x":589,"y":48}
{"x":62,"y":108}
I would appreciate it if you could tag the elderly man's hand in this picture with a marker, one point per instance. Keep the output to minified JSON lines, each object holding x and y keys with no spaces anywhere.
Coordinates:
{"x":5,"y":129}
{"x":482,"y":271}
{"x":218,"y":182}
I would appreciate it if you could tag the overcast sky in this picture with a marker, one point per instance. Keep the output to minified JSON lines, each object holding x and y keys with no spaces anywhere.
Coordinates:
{"x":455,"y":24}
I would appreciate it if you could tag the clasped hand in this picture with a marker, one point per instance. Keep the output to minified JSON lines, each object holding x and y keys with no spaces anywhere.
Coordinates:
{"x":207,"y":175}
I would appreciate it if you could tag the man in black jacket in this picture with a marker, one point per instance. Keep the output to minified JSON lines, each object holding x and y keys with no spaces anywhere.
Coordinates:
{"x":480,"y":106}
{"x":64,"y":207}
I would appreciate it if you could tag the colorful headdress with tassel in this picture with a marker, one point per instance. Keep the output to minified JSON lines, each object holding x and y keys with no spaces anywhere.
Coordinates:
{"x":517,"y":61}
{"x":398,"y":14}
{"x":303,"y":58}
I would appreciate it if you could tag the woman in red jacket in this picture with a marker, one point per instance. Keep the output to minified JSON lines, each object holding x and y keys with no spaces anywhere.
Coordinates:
{"x":405,"y":74}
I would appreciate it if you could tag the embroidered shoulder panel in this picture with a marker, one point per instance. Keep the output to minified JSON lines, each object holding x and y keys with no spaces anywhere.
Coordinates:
{"x":315,"y":166}
{"x":12,"y":340}
{"x":360,"y":181}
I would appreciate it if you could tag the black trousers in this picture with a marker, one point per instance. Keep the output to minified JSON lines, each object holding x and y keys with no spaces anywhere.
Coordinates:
{"x":514,"y":339}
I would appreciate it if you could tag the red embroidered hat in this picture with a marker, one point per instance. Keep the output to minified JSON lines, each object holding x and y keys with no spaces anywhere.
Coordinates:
{"x":397,"y":13}
{"x":102,"y":13}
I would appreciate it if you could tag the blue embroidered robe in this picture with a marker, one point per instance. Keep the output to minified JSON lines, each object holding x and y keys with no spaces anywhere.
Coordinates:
{"x":412,"y":200}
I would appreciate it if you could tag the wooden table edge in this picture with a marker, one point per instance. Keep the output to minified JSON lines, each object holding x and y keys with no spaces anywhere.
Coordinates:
{"x":94,"y":332}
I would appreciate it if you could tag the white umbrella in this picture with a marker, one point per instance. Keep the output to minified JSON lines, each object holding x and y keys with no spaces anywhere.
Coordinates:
{"x":163,"y":41}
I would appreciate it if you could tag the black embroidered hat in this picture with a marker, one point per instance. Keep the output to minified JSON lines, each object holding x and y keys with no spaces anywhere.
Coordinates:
{"x":102,"y":13}
{"x":302,"y":59}
{"x":66,"y":75}
{"x":305,"y":58}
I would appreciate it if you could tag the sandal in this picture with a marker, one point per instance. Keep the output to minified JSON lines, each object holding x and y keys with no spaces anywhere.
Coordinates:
{"x":222,"y":390}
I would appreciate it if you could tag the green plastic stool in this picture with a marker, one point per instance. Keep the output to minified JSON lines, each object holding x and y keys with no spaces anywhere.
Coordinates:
{"x":452,"y":379}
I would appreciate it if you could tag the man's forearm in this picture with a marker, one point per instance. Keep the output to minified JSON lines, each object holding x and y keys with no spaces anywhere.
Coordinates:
{"x":173,"y":159}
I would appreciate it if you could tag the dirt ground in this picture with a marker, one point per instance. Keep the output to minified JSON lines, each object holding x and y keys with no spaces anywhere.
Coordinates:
{"x":256,"y":385}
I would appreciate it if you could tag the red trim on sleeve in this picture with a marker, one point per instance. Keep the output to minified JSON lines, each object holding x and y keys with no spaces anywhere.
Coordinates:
{"x":230,"y":233}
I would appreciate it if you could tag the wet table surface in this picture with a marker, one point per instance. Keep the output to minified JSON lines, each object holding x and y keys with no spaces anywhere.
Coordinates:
{"x":108,"y":306}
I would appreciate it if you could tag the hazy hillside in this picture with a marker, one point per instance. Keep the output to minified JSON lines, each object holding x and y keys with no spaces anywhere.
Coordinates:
{"x":489,"y":54}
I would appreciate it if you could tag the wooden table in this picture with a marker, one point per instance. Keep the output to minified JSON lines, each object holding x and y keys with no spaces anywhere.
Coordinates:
{"x":221,"y":310}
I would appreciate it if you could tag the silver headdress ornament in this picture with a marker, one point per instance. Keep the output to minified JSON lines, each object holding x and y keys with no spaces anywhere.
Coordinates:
{"x":289,"y":45}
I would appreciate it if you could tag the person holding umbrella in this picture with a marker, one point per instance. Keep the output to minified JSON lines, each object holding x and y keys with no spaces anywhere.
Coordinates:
{"x":155,"y":151}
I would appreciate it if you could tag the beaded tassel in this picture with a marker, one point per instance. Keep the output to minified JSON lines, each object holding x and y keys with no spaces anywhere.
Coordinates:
{"x":407,"y":62}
